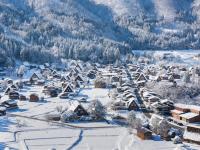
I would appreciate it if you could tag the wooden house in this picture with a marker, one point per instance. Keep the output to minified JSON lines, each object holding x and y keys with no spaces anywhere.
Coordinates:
{"x":77,"y":70}
{"x":168,"y":103}
{"x":132,"y":104}
{"x":158,"y":78}
{"x":8,"y":89}
{"x":160,"y":108}
{"x":10,"y":104}
{"x":35,"y":77}
{"x":79,"y":67}
{"x":79,"y":78}
{"x":141,"y":83}
{"x":63,"y":79}
{"x":190,"y":117}
{"x":54,"y":72}
{"x":91,"y":74}
{"x":34,"y":98}
{"x":186,"y":113}
{"x":77,"y":108}
{"x":142,"y":77}
{"x":57,"y":76}
{"x":176,"y":114}
{"x":182,"y":107}
{"x":14,"y":87}
{"x":171,"y":78}
{"x":13,"y":95}
{"x":164,"y":76}
{"x":192,"y":134}
{"x":176,"y":76}
{"x":22,"y":97}
{"x":144,"y":133}
{"x":68,"y":89}
{"x":73,"y":64}
{"x":9,"y":81}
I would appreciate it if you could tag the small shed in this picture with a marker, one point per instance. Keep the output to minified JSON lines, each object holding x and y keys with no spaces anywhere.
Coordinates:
{"x":22,"y":97}
{"x":34,"y":97}
{"x":144,"y":133}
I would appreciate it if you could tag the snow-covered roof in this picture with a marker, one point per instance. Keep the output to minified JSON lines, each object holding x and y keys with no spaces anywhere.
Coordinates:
{"x":181,"y":105}
{"x":41,"y":66}
{"x":74,"y":105}
{"x":142,"y":81}
{"x":185,"y":106}
{"x":153,"y":97}
{"x":166,"y":100}
{"x":189,"y":115}
{"x":176,"y":111}
{"x":39,"y":75}
{"x":2,"y":108}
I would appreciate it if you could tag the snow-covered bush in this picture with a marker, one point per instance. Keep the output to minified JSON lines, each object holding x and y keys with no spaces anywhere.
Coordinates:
{"x":183,"y":93}
{"x":100,"y":83}
{"x":177,"y":140}
{"x":68,"y":116}
{"x":163,"y":128}
{"x":133,"y":121}
{"x":186,"y":77}
{"x":96,"y":109}
{"x":154,"y":123}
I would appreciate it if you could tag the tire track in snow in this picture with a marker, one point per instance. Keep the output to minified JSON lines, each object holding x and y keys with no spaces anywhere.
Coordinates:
{"x":77,"y":141}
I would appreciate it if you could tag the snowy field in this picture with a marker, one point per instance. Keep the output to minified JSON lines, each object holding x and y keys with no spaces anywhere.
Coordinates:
{"x":184,"y":56}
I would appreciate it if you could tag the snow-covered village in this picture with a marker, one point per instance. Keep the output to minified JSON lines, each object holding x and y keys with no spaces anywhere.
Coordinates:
{"x":150,"y":101}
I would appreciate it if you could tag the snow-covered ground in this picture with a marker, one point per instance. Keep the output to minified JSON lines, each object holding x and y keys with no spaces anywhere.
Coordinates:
{"x":185,"y":57}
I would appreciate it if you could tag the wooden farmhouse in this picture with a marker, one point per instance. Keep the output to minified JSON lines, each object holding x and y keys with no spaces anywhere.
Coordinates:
{"x":34,"y":97}
{"x":68,"y":89}
{"x":144,"y":133}
{"x":79,"y":78}
{"x":192,"y":134}
{"x":132,"y":104}
{"x":35,"y":77}
{"x":186,"y":113}
{"x":77,"y":108}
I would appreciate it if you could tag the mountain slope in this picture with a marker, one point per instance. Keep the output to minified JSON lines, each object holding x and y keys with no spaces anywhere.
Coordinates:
{"x":97,"y":30}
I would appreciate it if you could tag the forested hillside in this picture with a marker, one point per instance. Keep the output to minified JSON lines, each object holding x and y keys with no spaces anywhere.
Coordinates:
{"x":98,"y":30}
